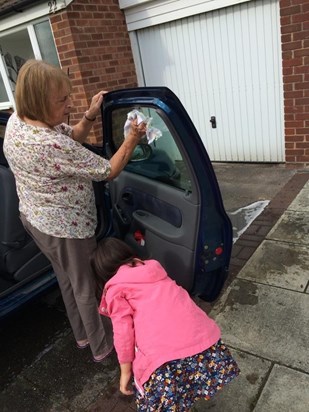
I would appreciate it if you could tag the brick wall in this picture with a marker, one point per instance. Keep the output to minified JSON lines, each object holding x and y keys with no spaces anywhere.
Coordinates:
{"x":93,"y":44}
{"x":295,"y":54}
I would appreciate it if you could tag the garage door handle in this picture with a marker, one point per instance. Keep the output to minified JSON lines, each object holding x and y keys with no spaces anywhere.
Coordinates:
{"x":213,"y":122}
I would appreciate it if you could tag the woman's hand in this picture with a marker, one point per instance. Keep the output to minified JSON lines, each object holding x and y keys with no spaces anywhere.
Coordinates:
{"x":125,"y":379}
{"x":82,"y":128}
{"x":136,"y":131}
{"x":123,"y":154}
{"x":95,"y":104}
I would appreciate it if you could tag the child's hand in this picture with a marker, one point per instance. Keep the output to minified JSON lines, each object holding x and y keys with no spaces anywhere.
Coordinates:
{"x":125,"y":378}
{"x":125,"y":386}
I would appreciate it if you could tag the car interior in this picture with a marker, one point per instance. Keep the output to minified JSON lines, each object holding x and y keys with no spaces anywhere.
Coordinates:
{"x":20,"y":258}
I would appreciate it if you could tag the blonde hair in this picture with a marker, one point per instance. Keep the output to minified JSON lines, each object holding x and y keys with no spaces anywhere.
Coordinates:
{"x":35,"y":80}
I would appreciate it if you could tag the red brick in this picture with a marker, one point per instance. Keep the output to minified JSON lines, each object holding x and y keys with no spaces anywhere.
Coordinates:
{"x":303,"y":17}
{"x":299,"y":152}
{"x":285,"y":3}
{"x":292,"y":45}
{"x":288,"y":11}
{"x":291,"y":28}
{"x":293,"y":79}
{"x":290,"y":124}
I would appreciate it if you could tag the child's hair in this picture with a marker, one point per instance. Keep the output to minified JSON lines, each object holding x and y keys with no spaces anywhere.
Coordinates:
{"x":109,"y":255}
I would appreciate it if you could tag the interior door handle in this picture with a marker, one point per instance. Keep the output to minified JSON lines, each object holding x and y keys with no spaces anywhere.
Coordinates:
{"x":127,"y":198}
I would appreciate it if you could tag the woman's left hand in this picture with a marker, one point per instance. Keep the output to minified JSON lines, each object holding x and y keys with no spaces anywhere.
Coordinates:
{"x":95,"y":104}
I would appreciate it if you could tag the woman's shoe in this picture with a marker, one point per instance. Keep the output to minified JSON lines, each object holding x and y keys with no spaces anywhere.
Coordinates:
{"x":82,"y":344}
{"x":100,"y":358}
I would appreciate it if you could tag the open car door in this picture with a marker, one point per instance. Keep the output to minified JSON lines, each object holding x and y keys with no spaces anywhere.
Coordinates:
{"x":166,"y":203}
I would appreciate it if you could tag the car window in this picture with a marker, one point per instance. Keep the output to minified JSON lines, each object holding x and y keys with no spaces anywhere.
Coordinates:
{"x":161,"y":160}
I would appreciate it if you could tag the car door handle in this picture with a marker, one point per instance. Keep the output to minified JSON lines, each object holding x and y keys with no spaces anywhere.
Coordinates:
{"x":127,"y":198}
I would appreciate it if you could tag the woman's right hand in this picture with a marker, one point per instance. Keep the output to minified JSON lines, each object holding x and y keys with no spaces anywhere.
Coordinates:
{"x":123,"y":154}
{"x":136,"y":131}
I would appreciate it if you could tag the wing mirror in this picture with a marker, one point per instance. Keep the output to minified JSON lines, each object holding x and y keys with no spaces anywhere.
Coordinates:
{"x":141,"y":152}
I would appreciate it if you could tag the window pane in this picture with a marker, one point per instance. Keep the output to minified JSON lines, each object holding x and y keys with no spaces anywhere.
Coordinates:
{"x":46,"y":42}
{"x":161,"y":160}
{"x":16,"y":48}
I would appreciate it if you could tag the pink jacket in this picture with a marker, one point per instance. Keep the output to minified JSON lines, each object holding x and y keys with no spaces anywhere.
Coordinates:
{"x":154,"y":319}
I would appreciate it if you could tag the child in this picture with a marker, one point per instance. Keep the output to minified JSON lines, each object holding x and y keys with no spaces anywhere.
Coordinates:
{"x":161,"y":336}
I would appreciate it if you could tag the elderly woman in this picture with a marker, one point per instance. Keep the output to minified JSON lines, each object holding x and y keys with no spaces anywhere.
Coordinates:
{"x":54,"y":175}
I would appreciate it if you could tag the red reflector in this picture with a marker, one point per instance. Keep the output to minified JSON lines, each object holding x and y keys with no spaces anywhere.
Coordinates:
{"x":218,"y":251}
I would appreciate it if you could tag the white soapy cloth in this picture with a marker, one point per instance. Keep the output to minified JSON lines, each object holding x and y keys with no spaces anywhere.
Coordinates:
{"x":152,"y":133}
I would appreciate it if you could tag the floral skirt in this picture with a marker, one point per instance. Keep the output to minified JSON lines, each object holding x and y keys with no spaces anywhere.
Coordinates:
{"x":177,"y":385}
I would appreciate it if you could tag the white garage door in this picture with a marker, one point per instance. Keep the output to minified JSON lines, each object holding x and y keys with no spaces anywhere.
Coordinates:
{"x":227,"y":64}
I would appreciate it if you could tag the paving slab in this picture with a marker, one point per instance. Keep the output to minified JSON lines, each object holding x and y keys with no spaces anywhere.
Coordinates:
{"x":301,"y":202}
{"x":285,"y":391}
{"x":241,"y":394}
{"x":292,"y":227}
{"x":279,"y":264}
{"x":266,"y":321}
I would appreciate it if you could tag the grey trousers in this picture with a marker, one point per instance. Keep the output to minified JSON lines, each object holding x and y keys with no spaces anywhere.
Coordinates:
{"x":71,"y":264}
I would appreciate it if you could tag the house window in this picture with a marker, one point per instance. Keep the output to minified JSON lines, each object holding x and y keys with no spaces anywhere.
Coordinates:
{"x":33,"y":41}
{"x":44,"y":37}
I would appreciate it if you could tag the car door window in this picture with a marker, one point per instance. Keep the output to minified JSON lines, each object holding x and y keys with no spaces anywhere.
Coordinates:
{"x":161,"y":160}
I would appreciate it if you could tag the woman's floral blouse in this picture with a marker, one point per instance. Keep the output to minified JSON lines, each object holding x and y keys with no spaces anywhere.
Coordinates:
{"x":54,"y":175}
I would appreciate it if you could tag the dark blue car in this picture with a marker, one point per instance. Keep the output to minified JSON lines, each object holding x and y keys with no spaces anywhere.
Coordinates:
{"x":166,"y":204}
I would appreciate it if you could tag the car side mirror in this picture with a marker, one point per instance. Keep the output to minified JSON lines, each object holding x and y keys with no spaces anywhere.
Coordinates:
{"x":141,"y":152}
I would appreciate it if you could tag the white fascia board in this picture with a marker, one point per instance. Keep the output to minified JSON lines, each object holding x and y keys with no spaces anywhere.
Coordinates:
{"x":32,"y":13}
{"x":146,"y":13}
{"x":124,"y":4}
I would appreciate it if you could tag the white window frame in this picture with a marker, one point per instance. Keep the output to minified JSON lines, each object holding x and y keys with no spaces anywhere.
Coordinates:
{"x":10,"y":104}
{"x":33,"y":39}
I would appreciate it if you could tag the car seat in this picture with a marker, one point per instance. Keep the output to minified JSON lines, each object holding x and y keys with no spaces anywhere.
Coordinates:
{"x":20,"y":258}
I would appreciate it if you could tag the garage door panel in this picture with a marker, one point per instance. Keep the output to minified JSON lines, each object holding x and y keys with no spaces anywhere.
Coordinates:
{"x":227,"y":64}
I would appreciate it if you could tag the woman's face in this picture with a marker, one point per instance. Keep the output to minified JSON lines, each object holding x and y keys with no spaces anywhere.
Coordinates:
{"x":60,"y":105}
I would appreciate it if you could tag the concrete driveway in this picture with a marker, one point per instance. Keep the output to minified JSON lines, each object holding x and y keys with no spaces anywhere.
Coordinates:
{"x":263,"y":313}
